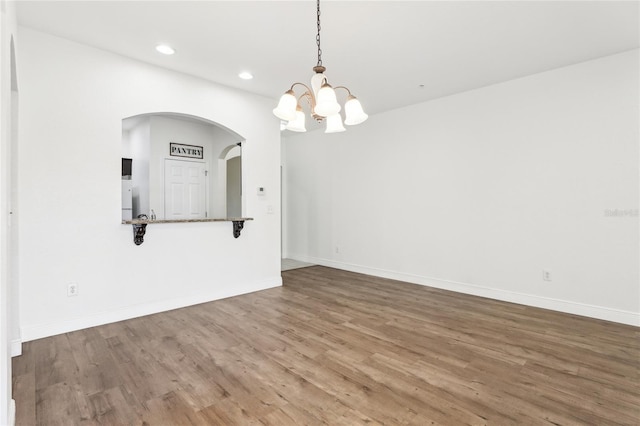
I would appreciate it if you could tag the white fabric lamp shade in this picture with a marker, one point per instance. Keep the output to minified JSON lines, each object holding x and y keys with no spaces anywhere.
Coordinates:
{"x":298,"y":124}
{"x":334,"y":124}
{"x":326,"y":102}
{"x":286,"y":109}
{"x":353,"y":111}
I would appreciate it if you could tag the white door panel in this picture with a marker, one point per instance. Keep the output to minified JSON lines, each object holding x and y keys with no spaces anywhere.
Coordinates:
{"x":185,"y":189}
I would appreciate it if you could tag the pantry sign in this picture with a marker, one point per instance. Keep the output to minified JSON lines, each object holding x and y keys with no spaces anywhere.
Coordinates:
{"x":188,"y":151}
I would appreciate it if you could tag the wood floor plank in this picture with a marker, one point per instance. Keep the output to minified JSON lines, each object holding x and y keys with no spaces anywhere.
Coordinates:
{"x":57,"y":405}
{"x":338,"y":348}
{"x":24,"y":389}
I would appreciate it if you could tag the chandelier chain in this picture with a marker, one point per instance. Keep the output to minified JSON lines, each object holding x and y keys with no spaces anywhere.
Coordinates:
{"x":318,"y":36}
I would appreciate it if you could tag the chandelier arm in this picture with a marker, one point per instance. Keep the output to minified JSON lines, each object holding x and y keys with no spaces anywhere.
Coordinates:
{"x":300,"y":84}
{"x":345,"y":88}
{"x":308,"y":94}
{"x":309,"y":99}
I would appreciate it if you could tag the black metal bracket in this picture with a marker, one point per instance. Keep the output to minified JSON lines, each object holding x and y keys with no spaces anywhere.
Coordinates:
{"x":138,"y":233}
{"x":237,"y":227}
{"x":139,"y":229}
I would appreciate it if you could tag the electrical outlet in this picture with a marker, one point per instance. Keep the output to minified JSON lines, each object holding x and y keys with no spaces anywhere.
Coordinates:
{"x":72,"y":289}
{"x":546,"y":275}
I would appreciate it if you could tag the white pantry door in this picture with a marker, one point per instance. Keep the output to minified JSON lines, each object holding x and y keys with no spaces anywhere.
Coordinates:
{"x":185,"y":190}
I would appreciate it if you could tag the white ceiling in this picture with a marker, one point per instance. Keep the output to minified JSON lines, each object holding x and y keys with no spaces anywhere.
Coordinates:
{"x":382,"y":50}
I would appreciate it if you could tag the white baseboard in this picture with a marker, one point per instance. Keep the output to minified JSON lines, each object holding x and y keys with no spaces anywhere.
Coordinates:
{"x":16,"y":347}
{"x":599,"y":312}
{"x":38,"y":331}
{"x":12,"y":412}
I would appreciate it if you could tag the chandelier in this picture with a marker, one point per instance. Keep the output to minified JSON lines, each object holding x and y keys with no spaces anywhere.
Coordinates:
{"x":322,"y":101}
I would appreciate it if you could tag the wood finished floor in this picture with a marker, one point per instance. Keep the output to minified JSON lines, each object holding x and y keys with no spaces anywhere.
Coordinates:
{"x":338,"y":348}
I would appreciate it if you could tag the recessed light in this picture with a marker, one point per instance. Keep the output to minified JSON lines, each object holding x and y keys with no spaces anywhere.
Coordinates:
{"x":245,"y":75}
{"x":164,"y":49}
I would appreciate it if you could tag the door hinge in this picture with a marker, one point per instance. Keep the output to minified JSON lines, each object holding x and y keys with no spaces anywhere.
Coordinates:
{"x":206,"y":172}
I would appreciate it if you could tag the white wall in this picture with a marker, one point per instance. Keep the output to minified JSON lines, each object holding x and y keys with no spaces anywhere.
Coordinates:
{"x":140,"y":147}
{"x":481,"y":191}
{"x":165,"y":130}
{"x":126,"y":144}
{"x":8,"y":310}
{"x":71,"y":112}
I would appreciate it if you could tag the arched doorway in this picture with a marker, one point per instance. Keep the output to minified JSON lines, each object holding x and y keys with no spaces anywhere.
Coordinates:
{"x":172,"y":167}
